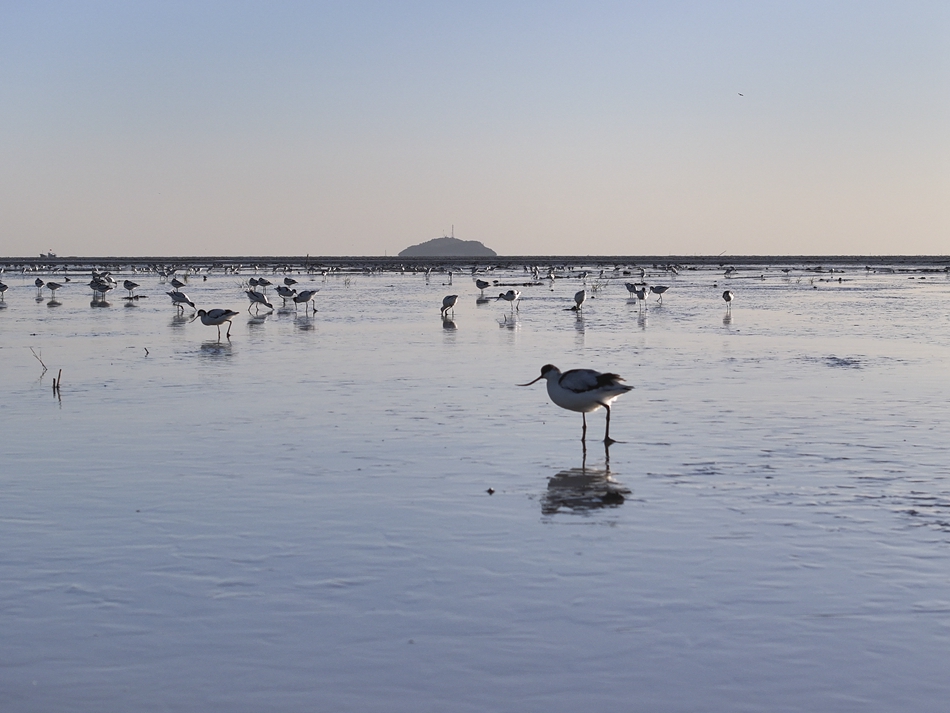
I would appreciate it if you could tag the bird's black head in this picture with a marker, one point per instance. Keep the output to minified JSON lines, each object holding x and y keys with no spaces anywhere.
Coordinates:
{"x":546,"y":368}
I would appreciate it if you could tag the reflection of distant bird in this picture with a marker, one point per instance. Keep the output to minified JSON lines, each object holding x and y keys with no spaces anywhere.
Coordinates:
{"x":728,"y":296}
{"x":180,"y":299}
{"x":659,"y":290}
{"x":512,"y":296}
{"x":215,"y":318}
{"x":448,"y":303}
{"x":583,"y":390}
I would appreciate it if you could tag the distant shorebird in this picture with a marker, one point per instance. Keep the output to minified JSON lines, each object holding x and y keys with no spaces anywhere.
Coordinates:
{"x":3,"y":289}
{"x":285,"y":292}
{"x":52,"y":287}
{"x":579,"y":299}
{"x":215,"y":318}
{"x":583,"y":390}
{"x":659,"y":290}
{"x":39,"y":285}
{"x":289,"y":282}
{"x":257,"y":299}
{"x":448,"y":303}
{"x":180,"y":299}
{"x":305,"y":297}
{"x":130,"y":286}
{"x":728,"y":296}
{"x":176,"y":283}
{"x":482,"y":285}
{"x":512,"y":296}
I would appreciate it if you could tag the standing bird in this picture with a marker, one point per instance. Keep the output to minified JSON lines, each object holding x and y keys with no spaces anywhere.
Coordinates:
{"x":728,"y":296}
{"x":286,"y":292}
{"x":305,"y":297}
{"x":130,"y":286}
{"x":482,"y":285}
{"x":3,"y":289}
{"x":257,"y":299}
{"x":215,"y":318}
{"x":39,"y":285}
{"x":180,"y":299}
{"x":289,"y":281}
{"x":448,"y":303}
{"x":512,"y":296}
{"x":659,"y":290}
{"x":53,"y":286}
{"x":583,"y":390}
{"x":176,"y":283}
{"x":579,"y":299}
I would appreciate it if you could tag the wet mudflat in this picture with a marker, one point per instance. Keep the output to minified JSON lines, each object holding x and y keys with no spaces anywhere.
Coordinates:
{"x":298,"y":519}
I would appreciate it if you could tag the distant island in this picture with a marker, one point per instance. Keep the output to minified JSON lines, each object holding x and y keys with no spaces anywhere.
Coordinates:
{"x":448,"y":247}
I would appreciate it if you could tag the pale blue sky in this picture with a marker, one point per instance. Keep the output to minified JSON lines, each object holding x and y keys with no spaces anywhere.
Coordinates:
{"x":350,"y":128}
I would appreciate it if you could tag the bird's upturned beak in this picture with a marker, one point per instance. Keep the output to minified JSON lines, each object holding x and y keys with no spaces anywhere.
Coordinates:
{"x":531,"y":382}
{"x":193,"y":318}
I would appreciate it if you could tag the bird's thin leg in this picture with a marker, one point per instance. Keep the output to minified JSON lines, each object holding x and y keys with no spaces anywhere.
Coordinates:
{"x":607,"y":439}
{"x":229,"y":329}
{"x":584,"y":431}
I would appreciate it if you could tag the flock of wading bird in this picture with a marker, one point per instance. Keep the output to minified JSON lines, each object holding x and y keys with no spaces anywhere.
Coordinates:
{"x":579,"y":390}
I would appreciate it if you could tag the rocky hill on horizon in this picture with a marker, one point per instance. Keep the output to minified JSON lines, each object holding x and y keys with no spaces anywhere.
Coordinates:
{"x":448,"y":247}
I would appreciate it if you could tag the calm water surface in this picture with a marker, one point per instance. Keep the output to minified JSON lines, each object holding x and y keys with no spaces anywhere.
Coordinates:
{"x":298,"y":519}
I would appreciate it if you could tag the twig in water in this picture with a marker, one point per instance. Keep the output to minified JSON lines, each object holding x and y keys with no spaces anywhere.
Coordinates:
{"x":146,"y":350}
{"x":38,"y":358}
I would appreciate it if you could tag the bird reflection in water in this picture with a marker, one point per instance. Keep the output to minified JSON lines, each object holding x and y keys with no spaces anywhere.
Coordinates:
{"x":449,"y":324}
{"x":583,"y":489}
{"x":304,"y":323}
{"x":509,"y":322}
{"x":178,"y":321}
{"x":99,"y":303}
{"x":216,"y":350}
{"x":727,"y":319}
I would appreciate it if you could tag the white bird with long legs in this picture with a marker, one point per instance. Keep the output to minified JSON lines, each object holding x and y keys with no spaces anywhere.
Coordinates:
{"x":215,"y":318}
{"x":180,"y":299}
{"x":305,"y":297}
{"x":512,"y":296}
{"x":583,"y":390}
{"x":448,"y":303}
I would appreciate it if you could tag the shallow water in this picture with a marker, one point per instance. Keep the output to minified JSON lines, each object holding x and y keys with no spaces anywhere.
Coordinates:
{"x":298,"y":518}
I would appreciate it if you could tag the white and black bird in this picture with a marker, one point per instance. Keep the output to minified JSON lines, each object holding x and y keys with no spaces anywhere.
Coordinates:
{"x":512,"y":296}
{"x":448,"y":303}
{"x":257,"y":299}
{"x":305,"y":297}
{"x":286,"y":292}
{"x":482,"y":285}
{"x":658,"y":290}
{"x":130,"y":286}
{"x":215,"y":318}
{"x":583,"y":390}
{"x":728,"y":296}
{"x":579,"y":298}
{"x":180,"y":299}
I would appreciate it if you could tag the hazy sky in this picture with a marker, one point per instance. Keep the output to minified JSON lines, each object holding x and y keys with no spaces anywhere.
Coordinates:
{"x":358,"y":128}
